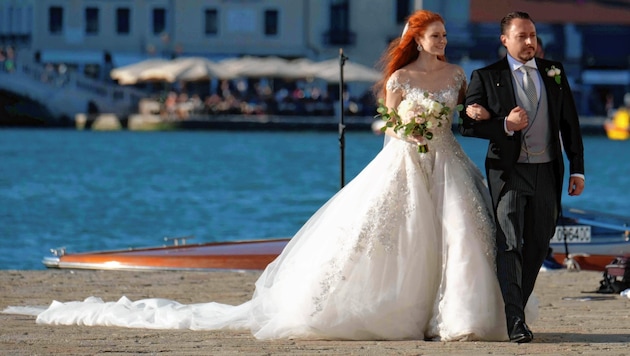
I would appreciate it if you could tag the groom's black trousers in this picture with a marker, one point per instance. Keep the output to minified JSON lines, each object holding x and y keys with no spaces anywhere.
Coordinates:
{"x":526,"y":216}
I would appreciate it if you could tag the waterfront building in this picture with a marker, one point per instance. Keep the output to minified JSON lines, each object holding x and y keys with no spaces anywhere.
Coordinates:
{"x":92,"y":32}
{"x":93,"y":36}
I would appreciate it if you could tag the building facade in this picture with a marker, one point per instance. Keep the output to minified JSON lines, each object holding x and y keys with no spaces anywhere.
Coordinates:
{"x":590,"y":36}
{"x":130,"y":30}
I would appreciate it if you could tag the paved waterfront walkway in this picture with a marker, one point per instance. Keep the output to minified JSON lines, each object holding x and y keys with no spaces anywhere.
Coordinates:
{"x":571,"y":322}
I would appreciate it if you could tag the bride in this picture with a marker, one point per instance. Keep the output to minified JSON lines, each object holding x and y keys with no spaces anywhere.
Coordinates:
{"x":404,"y":251}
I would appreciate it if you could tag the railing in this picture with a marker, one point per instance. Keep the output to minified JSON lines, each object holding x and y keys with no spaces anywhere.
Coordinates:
{"x":339,"y":37}
{"x":108,"y":96}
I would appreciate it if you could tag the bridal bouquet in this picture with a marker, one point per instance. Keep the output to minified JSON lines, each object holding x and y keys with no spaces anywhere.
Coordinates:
{"x":416,"y":118}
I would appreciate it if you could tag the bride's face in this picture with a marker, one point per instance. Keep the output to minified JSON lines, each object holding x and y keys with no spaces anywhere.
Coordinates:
{"x":434,"y":39}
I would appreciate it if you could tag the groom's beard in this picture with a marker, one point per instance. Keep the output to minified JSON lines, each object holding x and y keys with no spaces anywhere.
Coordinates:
{"x":527,"y":55}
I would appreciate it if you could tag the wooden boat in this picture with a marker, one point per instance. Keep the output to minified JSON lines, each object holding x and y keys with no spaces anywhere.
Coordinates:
{"x":583,"y":240}
{"x":239,"y":255}
{"x":590,"y":240}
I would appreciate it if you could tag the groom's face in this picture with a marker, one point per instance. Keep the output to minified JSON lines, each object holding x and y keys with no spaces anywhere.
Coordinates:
{"x":520,"y":39}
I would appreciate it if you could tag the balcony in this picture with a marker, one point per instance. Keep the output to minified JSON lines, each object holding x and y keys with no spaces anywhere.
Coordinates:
{"x":21,"y":40}
{"x":339,"y":37}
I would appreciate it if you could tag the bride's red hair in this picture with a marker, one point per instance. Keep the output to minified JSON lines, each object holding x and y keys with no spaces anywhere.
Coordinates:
{"x":403,"y":50}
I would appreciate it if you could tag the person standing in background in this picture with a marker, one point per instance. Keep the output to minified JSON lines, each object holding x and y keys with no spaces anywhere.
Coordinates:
{"x":540,"y":50}
{"x":521,"y":104}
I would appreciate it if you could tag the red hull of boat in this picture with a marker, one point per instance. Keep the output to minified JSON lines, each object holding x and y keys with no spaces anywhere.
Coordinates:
{"x":246,"y":255}
{"x":587,"y":262}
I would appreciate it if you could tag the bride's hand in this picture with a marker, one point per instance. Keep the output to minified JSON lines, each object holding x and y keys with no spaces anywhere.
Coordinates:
{"x":477,"y":112}
{"x":416,"y":139}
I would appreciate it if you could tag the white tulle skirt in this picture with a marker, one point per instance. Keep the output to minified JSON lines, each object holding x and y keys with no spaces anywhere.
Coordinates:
{"x":404,"y":251}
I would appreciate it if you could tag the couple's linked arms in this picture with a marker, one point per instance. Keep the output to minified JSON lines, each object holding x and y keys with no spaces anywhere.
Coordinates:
{"x":486,"y":124}
{"x":473,"y":110}
{"x":478,"y":121}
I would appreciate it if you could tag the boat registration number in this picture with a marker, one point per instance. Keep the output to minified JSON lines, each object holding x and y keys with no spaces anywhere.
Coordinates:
{"x":572,"y":233}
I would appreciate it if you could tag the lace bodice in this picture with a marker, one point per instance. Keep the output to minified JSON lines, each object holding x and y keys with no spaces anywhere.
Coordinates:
{"x":446,"y":93}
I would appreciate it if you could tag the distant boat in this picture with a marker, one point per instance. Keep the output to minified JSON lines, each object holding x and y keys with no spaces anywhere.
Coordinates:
{"x":590,"y":240}
{"x":618,"y":128}
{"x":615,"y":132}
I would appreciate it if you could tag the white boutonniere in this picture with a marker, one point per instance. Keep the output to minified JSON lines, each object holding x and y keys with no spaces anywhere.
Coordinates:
{"x":554,"y":72}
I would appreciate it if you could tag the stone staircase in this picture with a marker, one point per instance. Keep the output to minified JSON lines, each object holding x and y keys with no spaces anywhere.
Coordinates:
{"x":69,"y":94}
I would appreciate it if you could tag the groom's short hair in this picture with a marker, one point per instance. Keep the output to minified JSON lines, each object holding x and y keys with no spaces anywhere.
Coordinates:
{"x":507,"y":20}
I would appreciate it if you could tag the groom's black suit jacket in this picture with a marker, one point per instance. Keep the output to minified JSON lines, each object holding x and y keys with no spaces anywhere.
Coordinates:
{"x":492,"y":87}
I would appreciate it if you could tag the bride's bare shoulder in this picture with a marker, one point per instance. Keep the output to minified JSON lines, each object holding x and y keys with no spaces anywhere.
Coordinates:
{"x":457,"y":73}
{"x":402,"y":74}
{"x":454,"y":69}
{"x":398,"y":80}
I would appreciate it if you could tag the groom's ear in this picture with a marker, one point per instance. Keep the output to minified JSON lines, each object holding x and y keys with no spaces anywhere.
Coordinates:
{"x":503,"y":39}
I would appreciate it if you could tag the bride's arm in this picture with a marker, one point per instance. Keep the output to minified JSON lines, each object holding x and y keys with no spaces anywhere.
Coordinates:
{"x":461,"y":95}
{"x":477,"y":112}
{"x":474,"y":111}
{"x":392,"y":100}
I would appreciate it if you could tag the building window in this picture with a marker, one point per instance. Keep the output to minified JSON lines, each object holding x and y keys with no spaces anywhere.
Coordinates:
{"x":55,"y":19}
{"x":17,"y":24}
{"x":159,"y":21}
{"x":123,"y":20}
{"x":9,"y":19}
{"x":339,"y":30}
{"x":403,"y":9}
{"x":339,"y":15}
{"x":91,"y":20}
{"x":271,"y":22}
{"x":211,"y":22}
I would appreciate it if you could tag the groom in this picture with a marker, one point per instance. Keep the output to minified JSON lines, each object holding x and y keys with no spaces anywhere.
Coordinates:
{"x":531,"y":109}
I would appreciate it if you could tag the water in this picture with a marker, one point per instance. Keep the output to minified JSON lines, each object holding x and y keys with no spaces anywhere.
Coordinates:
{"x":88,"y":190}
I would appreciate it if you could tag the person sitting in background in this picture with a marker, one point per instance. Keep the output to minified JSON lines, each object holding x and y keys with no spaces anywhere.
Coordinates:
{"x":2,"y":58}
{"x":9,"y":61}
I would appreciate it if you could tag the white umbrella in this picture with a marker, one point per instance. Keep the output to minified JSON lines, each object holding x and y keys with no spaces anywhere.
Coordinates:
{"x":268,"y":67}
{"x":130,"y":74}
{"x":328,"y":70}
{"x":185,"y":69}
{"x":299,"y":69}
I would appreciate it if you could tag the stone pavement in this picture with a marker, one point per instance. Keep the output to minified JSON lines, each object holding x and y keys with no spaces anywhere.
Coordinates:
{"x":570,"y":322}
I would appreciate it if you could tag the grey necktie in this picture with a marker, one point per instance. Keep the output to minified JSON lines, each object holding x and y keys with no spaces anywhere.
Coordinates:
{"x":528,"y":86}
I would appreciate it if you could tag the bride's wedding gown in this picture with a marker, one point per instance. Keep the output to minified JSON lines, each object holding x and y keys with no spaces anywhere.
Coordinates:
{"x":404,"y":251}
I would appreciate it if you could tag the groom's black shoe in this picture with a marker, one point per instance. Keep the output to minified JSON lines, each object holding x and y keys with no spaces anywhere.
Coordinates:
{"x":519,"y":332}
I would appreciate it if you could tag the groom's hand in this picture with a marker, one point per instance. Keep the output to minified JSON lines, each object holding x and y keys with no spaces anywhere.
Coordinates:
{"x":517,"y":119}
{"x":576,"y":185}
